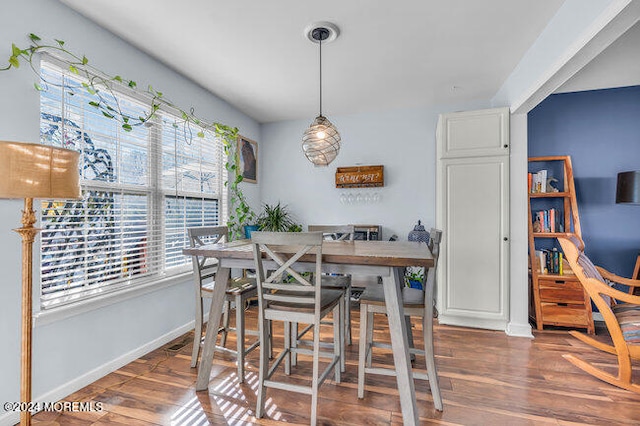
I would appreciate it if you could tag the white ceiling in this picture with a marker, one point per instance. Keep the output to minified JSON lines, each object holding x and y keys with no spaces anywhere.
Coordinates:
{"x":617,"y":66}
{"x":390,"y":54}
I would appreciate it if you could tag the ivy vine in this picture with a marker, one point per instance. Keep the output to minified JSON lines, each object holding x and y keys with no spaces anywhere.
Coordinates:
{"x":100,"y":86}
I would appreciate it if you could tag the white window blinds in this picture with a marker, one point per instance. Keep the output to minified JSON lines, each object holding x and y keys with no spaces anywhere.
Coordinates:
{"x":141,"y":190}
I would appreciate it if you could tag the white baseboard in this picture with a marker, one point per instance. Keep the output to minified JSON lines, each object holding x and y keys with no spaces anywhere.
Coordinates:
{"x":472,"y":322}
{"x":11,"y":418}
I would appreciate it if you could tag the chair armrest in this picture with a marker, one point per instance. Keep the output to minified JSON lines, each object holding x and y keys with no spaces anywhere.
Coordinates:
{"x":617,"y":278}
{"x":616,"y":294}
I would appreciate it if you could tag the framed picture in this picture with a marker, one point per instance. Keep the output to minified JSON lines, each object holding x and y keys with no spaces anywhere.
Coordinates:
{"x":248,"y":159}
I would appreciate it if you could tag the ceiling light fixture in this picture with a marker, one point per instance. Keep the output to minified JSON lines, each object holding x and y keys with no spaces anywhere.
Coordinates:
{"x":321,"y":141}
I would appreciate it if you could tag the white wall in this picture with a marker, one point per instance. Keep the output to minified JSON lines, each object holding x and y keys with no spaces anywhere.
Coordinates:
{"x":70,"y":352}
{"x":401,"y":140}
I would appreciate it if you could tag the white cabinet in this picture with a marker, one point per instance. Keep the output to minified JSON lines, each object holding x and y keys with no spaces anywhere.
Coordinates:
{"x":472,"y":195}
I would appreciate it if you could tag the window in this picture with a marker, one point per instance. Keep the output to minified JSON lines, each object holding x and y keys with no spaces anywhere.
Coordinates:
{"x":141,"y":190}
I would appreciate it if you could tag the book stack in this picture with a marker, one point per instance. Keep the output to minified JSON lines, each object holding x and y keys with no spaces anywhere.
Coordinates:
{"x":547,"y":221}
{"x":550,"y":261}
{"x":537,"y":182}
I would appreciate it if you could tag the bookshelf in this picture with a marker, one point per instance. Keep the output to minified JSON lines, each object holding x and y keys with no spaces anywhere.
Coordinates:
{"x":556,"y":295}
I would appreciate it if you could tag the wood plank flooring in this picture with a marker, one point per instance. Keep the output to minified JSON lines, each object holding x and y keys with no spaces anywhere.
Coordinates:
{"x":486,"y":378}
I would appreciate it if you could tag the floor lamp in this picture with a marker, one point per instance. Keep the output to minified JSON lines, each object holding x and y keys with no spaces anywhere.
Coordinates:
{"x":34,"y":171}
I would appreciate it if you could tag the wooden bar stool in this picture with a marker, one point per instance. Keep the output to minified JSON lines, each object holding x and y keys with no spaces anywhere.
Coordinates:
{"x":239,"y":291}
{"x":372,"y":302}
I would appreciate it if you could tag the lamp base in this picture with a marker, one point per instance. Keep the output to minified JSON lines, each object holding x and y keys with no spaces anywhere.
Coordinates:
{"x":28,"y":234}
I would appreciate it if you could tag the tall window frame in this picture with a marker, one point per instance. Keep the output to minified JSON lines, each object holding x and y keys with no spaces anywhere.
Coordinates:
{"x":141,"y":190}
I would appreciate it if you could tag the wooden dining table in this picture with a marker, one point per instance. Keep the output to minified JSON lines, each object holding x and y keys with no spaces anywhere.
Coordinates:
{"x":384,"y":259}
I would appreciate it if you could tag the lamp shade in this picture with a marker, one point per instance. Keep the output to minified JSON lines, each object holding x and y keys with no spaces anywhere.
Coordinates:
{"x":628,"y":187}
{"x":321,"y":142}
{"x":31,"y":170}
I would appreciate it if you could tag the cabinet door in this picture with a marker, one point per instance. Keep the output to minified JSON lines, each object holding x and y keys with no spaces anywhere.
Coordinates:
{"x":473,"y":211}
{"x":474,"y":133}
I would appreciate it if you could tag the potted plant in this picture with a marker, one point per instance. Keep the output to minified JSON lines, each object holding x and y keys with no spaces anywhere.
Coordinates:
{"x":277,"y":218}
{"x":414,"y":277}
{"x":242,"y":218}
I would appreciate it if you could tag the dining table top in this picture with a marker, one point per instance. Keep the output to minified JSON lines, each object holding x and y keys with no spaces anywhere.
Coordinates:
{"x":356,"y":252}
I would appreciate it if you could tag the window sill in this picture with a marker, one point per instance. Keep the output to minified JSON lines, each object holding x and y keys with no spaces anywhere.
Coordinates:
{"x":67,"y":311}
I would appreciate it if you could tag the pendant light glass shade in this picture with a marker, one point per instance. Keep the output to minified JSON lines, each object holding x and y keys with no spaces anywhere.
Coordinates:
{"x":321,"y":142}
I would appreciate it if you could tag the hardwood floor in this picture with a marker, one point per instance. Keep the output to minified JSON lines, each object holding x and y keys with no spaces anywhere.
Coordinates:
{"x":486,"y":378}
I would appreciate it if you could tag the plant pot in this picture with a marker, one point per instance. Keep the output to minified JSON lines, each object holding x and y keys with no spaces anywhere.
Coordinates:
{"x":248,"y":229}
{"x":415,"y":284}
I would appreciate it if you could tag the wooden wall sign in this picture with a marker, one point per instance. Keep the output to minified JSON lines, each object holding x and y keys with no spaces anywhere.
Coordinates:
{"x":359,"y":176}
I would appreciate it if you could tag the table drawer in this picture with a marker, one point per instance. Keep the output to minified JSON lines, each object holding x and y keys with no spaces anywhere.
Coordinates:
{"x":561,"y":291}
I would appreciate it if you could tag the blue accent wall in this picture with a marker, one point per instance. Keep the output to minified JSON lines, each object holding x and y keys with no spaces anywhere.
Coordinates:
{"x":600,"y":130}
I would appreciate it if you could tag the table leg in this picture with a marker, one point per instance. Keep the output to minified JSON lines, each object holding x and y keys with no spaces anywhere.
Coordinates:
{"x":400,"y":346}
{"x":217,"y":301}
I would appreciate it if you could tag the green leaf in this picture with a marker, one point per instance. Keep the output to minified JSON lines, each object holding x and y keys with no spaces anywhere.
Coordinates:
{"x":239,"y":178}
{"x":125,"y":119}
{"x":118,"y":78}
{"x":14,"y":61}
{"x":132,"y":84}
{"x":106,"y":114}
{"x":127,"y":127}
{"x":15,"y":50}
{"x":201,"y":134}
{"x":74,"y":70}
{"x":85,"y":61}
{"x":94,"y":104}
{"x":60,"y":42}
{"x":34,"y":37}
{"x":38,"y":87}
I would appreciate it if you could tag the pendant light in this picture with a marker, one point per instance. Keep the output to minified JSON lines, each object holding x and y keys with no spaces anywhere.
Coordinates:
{"x":321,"y":141}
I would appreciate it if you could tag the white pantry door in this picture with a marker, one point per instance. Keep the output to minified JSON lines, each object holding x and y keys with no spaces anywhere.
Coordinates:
{"x":472,"y":193}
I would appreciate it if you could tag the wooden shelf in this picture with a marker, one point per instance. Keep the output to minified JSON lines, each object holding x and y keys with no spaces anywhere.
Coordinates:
{"x":557,"y":300}
{"x":549,"y":194}
{"x":548,"y":234}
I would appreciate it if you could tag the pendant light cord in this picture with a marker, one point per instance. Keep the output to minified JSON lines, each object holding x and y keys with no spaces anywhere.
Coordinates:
{"x":321,"y":73}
